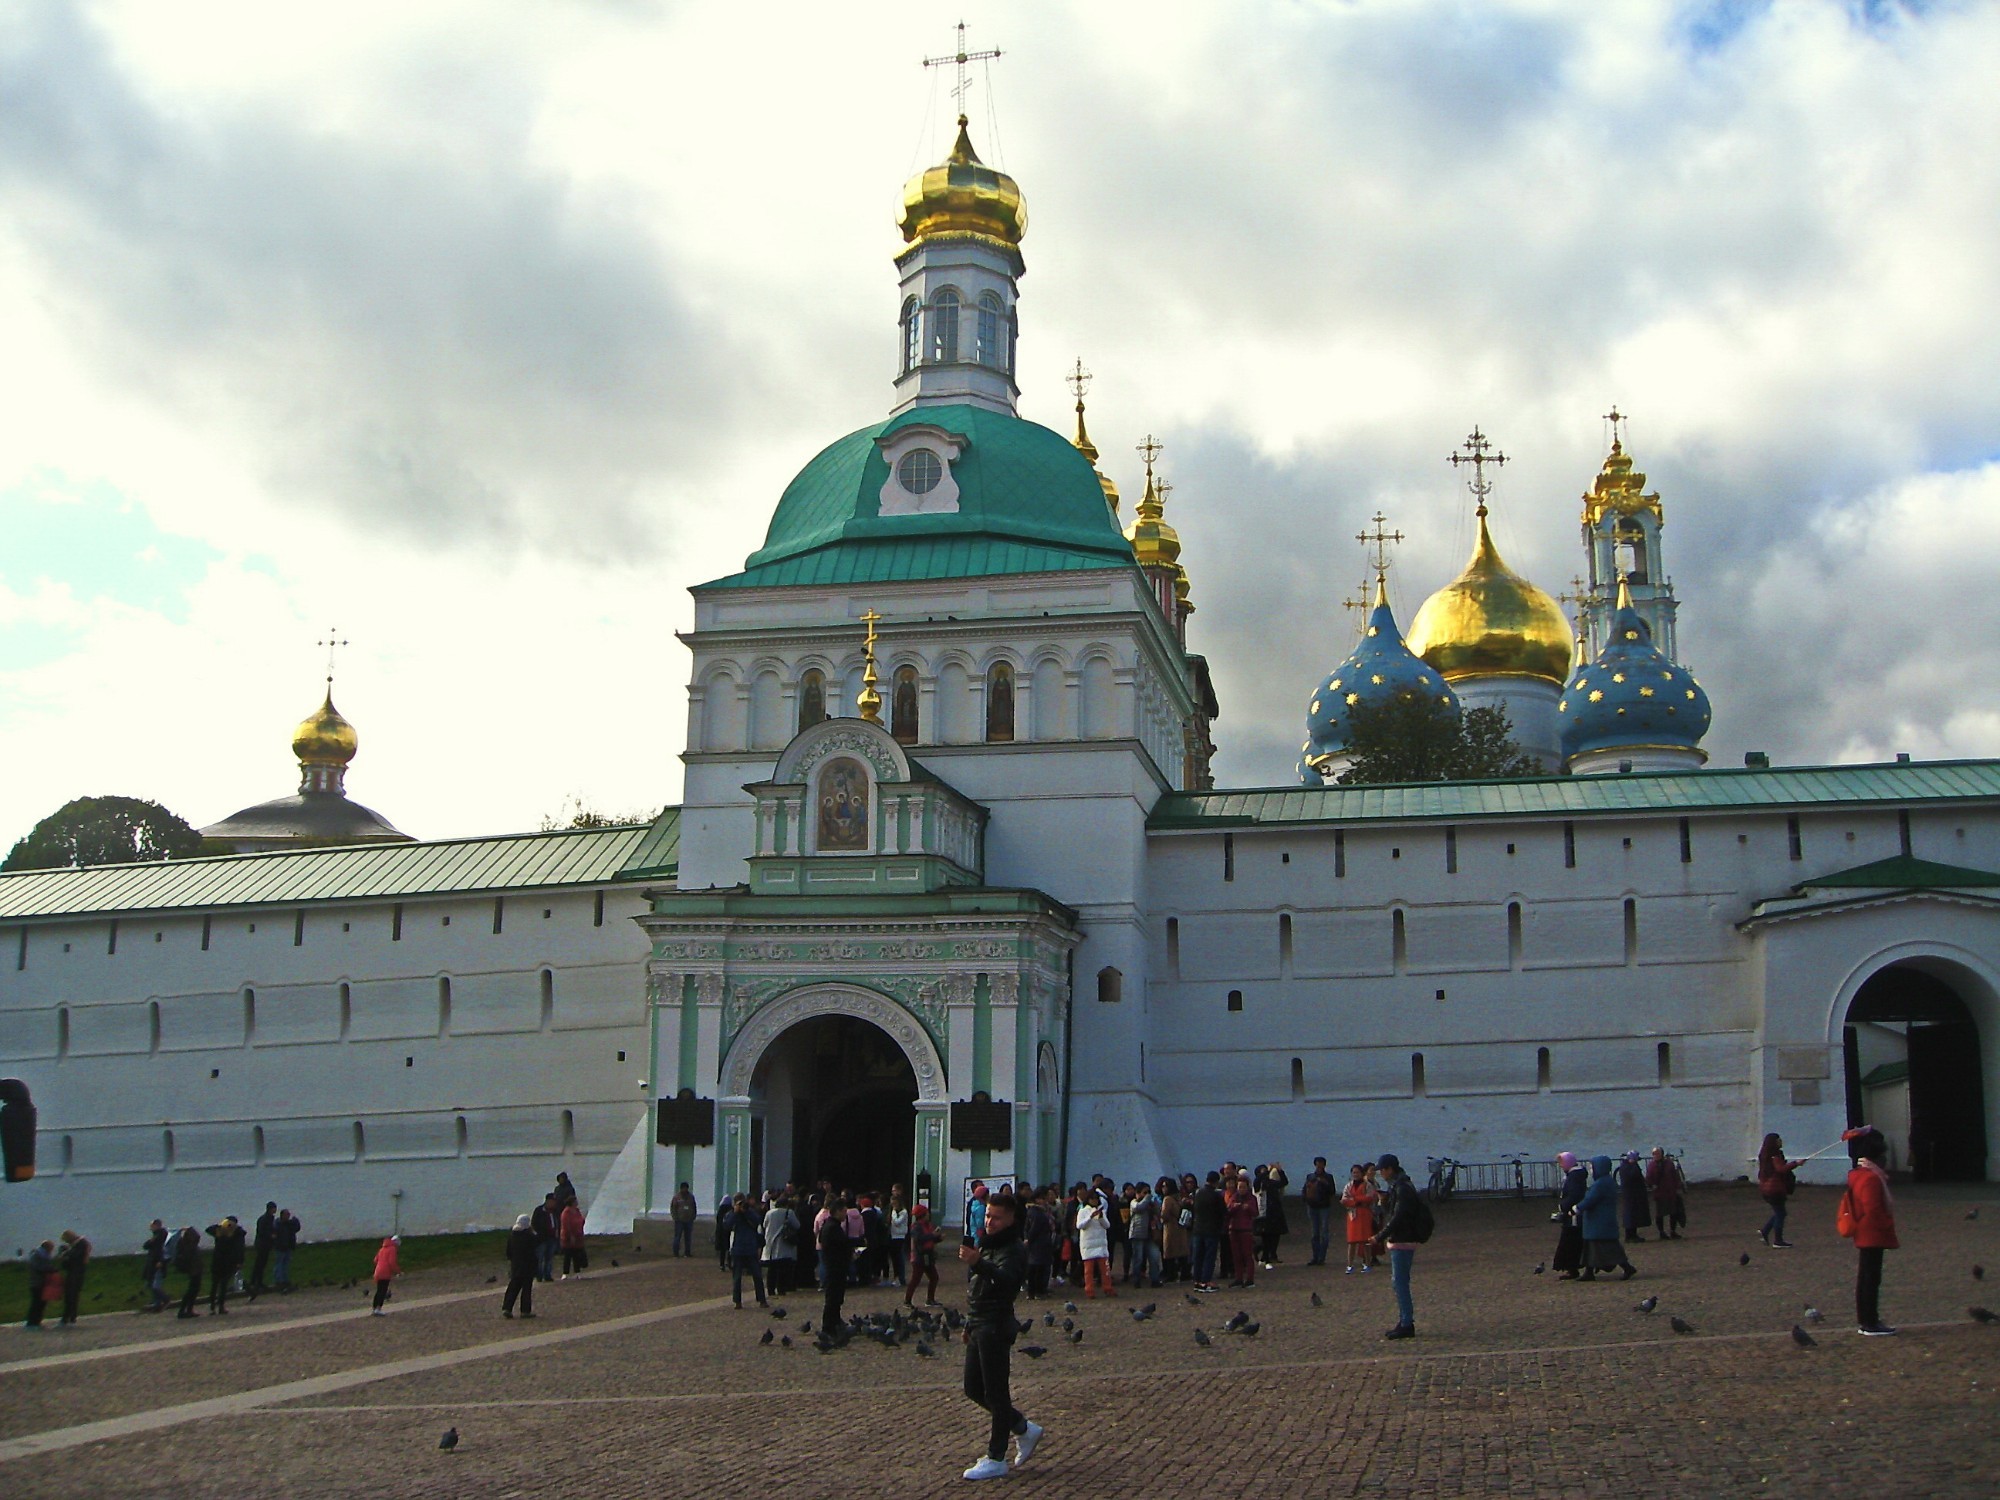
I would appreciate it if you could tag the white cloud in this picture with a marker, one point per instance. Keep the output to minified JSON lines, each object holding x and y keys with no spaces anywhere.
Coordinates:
{"x":485,"y":330}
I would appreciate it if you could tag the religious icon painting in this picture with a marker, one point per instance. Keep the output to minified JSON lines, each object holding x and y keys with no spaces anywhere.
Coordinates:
{"x":843,"y":806}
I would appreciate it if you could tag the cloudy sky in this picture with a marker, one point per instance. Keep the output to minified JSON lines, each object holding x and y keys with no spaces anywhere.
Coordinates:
{"x":482,"y":330}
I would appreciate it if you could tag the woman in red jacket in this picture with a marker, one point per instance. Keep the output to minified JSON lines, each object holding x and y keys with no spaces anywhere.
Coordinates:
{"x":1868,"y":1217}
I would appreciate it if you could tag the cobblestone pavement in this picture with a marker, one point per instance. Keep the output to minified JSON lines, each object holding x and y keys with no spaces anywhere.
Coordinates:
{"x":647,"y":1384}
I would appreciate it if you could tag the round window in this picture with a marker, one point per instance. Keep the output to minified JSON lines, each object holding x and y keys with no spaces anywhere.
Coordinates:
{"x":919,"y":472}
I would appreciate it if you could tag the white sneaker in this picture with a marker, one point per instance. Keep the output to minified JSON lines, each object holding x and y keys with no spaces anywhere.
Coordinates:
{"x":988,"y":1468}
{"x":1024,"y":1444}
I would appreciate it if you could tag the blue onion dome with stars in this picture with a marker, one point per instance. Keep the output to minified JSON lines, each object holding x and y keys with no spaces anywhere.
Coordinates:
{"x":1382,"y":669}
{"x":1632,"y":696}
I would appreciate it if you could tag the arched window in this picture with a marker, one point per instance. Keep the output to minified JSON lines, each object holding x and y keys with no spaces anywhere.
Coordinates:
{"x":1000,"y":704}
{"x":987,"y":349}
{"x":913,"y":337}
{"x":903,"y":706}
{"x":944,"y":328}
{"x":812,"y":698}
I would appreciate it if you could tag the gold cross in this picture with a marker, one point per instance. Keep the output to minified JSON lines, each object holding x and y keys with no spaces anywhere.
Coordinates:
{"x":1379,"y":540}
{"x":1476,"y":455}
{"x":1580,"y":595}
{"x":332,"y":644}
{"x":1614,"y":417}
{"x":961,"y":57}
{"x":1151,"y":450}
{"x":1361,"y":601}
{"x":1078,"y":380}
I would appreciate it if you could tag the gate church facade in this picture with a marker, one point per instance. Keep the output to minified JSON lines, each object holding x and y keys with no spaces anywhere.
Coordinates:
{"x":949,"y":891}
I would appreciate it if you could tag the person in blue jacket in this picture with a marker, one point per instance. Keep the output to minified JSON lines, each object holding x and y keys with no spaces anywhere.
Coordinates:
{"x":1602,"y":1249}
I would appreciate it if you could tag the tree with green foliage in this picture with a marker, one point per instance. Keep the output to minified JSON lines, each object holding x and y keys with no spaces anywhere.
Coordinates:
{"x":1419,"y":739}
{"x":105,"y":831}
{"x":575,"y":813}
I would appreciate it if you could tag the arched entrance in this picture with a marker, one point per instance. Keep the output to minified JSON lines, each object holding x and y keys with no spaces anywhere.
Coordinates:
{"x":835,"y":1097}
{"x":1913,"y":1068}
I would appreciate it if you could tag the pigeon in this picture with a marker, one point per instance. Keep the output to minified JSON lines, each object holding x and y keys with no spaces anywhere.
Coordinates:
{"x":1202,"y":1339}
{"x":786,"y":1341}
{"x":1743,"y":1259}
{"x":492,"y":1280}
{"x":806,"y":1327}
{"x":1024,"y":1325}
{"x":1139,"y":1314}
{"x":1647,"y":1304}
{"x":1813,"y":1314}
{"x":1249,"y":1330}
{"x":1149,"y":1309}
{"x":1979,"y":1273}
{"x":1076,"y":1337}
{"x":1972,"y":1213}
{"x":1068,"y":1324}
{"x":1069,"y":1307}
{"x":449,"y":1442}
{"x":1540,"y":1267}
{"x":1316,"y":1302}
{"x":1681,"y":1326}
{"x":1981,"y":1315}
{"x":768,"y":1336}
{"x":777,"y":1315}
{"x":1033,"y":1351}
{"x":1048,"y":1320}
{"x":1803,"y":1339}
{"x":925,"y":1351}
{"x":1236,"y":1322}
{"x":1192,"y":1299}
{"x":638,"y":1249}
{"x":614,"y":1262}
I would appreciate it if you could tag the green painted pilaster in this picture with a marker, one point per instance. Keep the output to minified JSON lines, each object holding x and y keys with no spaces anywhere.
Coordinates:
{"x":982,"y":1034}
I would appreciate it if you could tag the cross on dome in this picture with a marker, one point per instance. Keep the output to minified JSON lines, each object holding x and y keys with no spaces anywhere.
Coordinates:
{"x":1476,"y":454}
{"x":332,"y":643}
{"x":1380,"y":541}
{"x":960,"y":58}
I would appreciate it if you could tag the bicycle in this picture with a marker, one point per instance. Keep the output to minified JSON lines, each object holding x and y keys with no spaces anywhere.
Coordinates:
{"x":1443,"y":1178}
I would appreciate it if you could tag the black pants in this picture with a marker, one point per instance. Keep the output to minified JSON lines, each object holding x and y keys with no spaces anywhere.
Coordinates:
{"x":218,"y":1290}
{"x":738,"y":1266}
{"x":257,"y":1267}
{"x":1868,"y":1289}
{"x":35,"y":1306}
{"x":381,"y":1294}
{"x":986,"y":1355}
{"x":1038,"y":1281}
{"x":191,"y":1295}
{"x":836,"y":1294}
{"x":72,"y":1291}
{"x":520,"y":1285}
{"x":778,"y":1276}
{"x":573,"y":1259}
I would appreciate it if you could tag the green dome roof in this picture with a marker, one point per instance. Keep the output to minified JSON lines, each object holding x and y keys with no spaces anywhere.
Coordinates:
{"x":1018,"y":483}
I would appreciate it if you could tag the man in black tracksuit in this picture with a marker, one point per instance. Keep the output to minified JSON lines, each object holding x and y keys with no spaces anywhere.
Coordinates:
{"x":998,"y":1267}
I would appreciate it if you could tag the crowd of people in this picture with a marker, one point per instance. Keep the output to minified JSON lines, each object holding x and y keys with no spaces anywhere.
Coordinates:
{"x":1606,"y":1206}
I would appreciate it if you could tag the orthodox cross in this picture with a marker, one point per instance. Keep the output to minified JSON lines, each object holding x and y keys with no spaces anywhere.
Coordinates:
{"x":1380,"y":540}
{"x":1078,"y":380}
{"x":868,"y":700}
{"x":1150,"y":450}
{"x":1161,"y":489}
{"x":1476,"y":455}
{"x":960,"y":58}
{"x":1361,"y":602}
{"x":1615,"y":417}
{"x":1580,"y":597}
{"x":332,"y":644}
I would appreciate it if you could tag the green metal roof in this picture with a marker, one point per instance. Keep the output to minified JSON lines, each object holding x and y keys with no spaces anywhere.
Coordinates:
{"x":1903,"y":872}
{"x":522,"y":861}
{"x":1790,"y":787}
{"x":1019,"y":483}
{"x":915,"y":560}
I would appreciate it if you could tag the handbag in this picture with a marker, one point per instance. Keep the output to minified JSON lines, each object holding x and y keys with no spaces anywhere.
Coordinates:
{"x":1187,"y":1218}
{"x":52,"y":1287}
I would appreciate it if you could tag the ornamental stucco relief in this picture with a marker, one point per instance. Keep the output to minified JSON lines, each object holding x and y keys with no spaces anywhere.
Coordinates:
{"x":778,"y":1016}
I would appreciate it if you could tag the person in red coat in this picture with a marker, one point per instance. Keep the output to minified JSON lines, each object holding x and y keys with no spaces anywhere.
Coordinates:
{"x":1868,"y":1217}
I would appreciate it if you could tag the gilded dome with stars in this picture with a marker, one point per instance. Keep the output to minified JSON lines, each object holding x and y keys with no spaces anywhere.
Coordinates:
{"x":1632,"y":696}
{"x":1491,"y":622}
{"x":963,"y":197}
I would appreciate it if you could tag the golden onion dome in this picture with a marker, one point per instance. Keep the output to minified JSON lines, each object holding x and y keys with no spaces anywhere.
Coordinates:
{"x":962,"y":197}
{"x":1490,"y":621}
{"x":325,"y":738}
{"x":1619,"y":489}
{"x":1154,"y":543}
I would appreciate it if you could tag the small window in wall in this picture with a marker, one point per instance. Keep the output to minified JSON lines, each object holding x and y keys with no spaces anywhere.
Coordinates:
{"x":903,"y":706}
{"x":1285,"y":943}
{"x":1110,"y":986}
{"x":548,"y":999}
{"x":597,"y":913}
{"x":463,"y":1135}
{"x":1903,"y":831}
{"x":257,"y":1144}
{"x":1399,"y":945}
{"x":298,"y":929}
{"x":360,"y":1142}
{"x":207,"y":923}
{"x":1000,"y":704}
{"x":166,"y":1146}
{"x":444,"y":1006}
{"x":1513,"y":934}
{"x":346,"y":1011}
{"x":1792,"y":842}
{"x":249,"y":1017}
{"x":499,"y":913}
{"x":913,"y":339}
{"x":1418,"y":1086}
{"x":1569,"y":846}
{"x":812,"y":698}
{"x":1229,"y":856}
{"x":1664,"y":1059}
{"x":1339,"y":854}
{"x":1174,"y":947}
{"x":1298,"y":1079}
{"x":944,"y":327}
{"x":1631,"y":931}
{"x":1687,"y":844}
{"x":153,"y":1026}
{"x":396,"y":923}
{"x":568,"y":1131}
{"x":111,"y":944}
{"x":62,"y":1032}
{"x":1236,"y":999}
{"x":1542,"y":1069}
{"x":987,"y":346}
{"x":1451,"y":851}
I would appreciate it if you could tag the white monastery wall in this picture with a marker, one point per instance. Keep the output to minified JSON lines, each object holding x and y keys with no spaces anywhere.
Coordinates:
{"x":326,"y":1056}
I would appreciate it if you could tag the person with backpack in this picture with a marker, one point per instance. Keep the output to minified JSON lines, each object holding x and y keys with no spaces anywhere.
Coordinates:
{"x":1867,"y":1216}
{"x":227,"y":1259}
{"x":1777,"y":1179}
{"x":781,"y":1246}
{"x":185,"y":1250}
{"x":1406,"y":1223}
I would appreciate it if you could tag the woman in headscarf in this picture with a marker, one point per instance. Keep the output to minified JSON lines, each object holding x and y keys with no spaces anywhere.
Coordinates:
{"x":1602,"y":1250}
{"x":1569,"y":1208}
{"x":1634,"y":1207}
{"x":521,"y":1264}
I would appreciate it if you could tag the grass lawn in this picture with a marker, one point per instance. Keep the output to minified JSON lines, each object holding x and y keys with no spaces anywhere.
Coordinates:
{"x":113,"y":1282}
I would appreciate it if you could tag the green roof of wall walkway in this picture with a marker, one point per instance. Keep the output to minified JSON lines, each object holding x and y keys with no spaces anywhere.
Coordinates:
{"x":1021,"y":486}
{"x":1788,"y":787}
{"x":522,"y":861}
